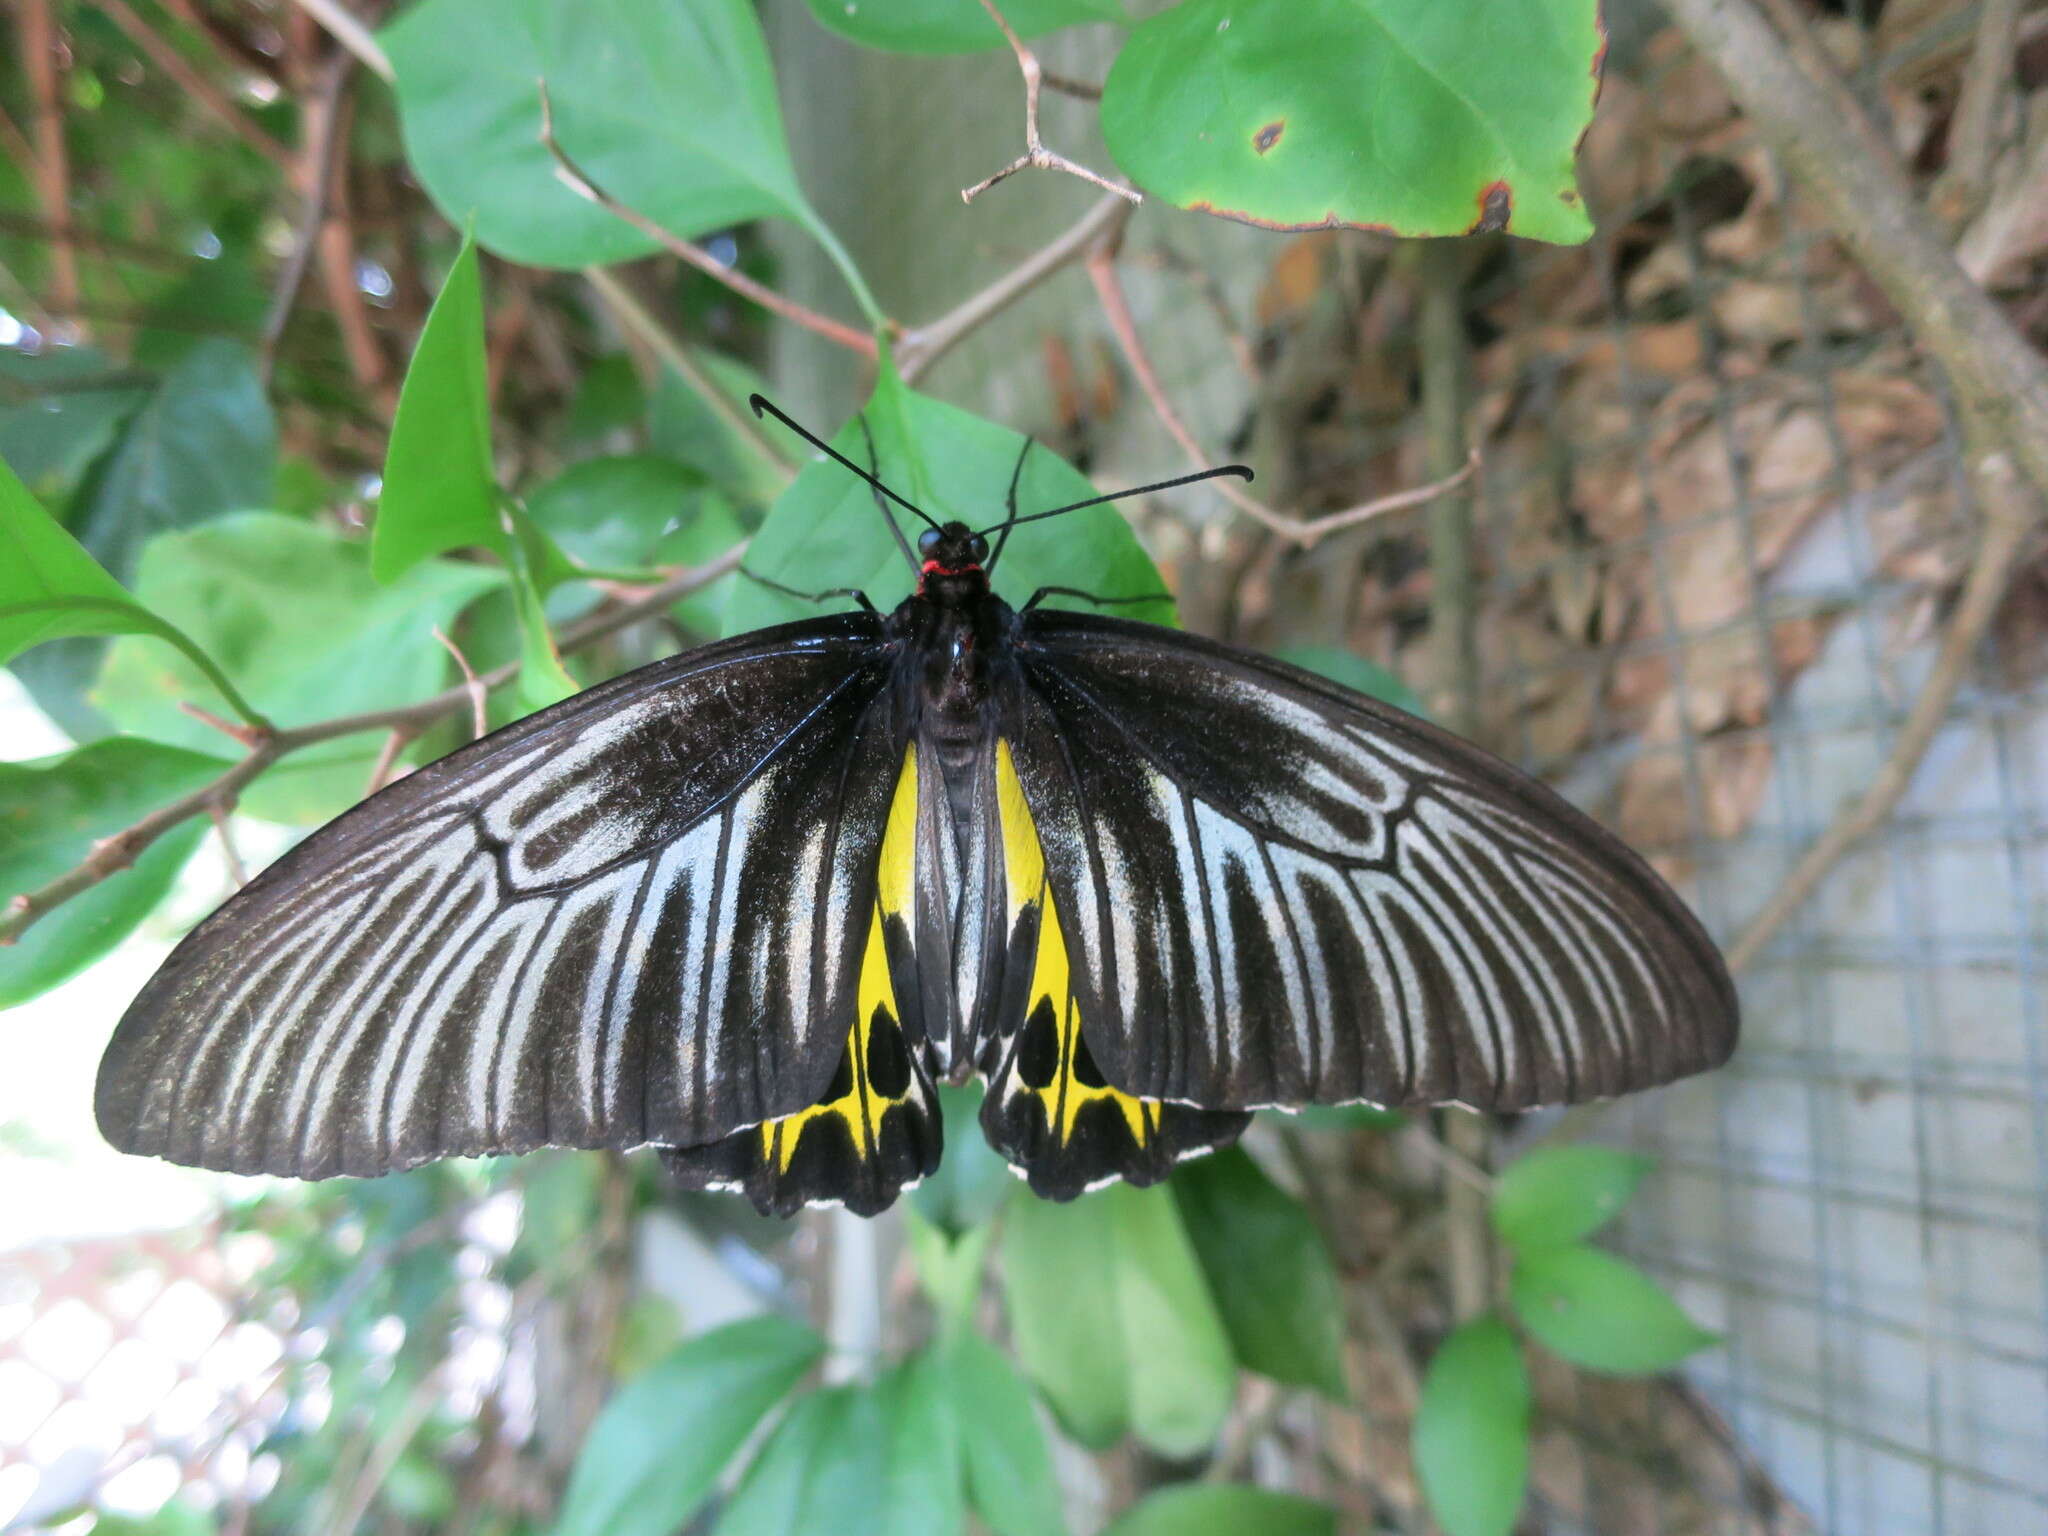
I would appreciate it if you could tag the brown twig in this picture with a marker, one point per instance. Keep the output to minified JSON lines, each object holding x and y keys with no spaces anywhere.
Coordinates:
{"x":216,"y":102}
{"x":315,"y":173}
{"x":1036,"y":156}
{"x":141,"y":252}
{"x":917,"y":349}
{"x":119,"y":851}
{"x":395,"y":742}
{"x":1305,"y":533}
{"x":347,"y":29}
{"x":479,"y":695}
{"x":571,"y":176}
{"x":1973,"y":132}
{"x":230,"y":50}
{"x":237,"y":871}
{"x":51,"y":167}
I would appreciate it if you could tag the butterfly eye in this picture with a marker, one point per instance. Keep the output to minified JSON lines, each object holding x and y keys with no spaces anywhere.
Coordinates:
{"x":928,"y":542}
{"x":977,"y":549}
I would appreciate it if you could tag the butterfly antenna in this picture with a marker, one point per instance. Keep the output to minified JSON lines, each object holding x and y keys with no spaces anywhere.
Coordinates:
{"x":1199,"y":475}
{"x":763,"y":405}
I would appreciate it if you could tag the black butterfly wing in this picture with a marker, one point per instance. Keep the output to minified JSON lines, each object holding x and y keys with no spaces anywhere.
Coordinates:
{"x":641,"y":916}
{"x":1278,"y":891}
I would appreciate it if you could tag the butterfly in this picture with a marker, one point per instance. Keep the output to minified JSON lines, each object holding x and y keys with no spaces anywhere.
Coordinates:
{"x":749,"y":904}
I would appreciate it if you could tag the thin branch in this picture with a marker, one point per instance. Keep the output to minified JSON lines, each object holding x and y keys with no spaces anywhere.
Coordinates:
{"x":1304,"y":533}
{"x":571,"y":176}
{"x":315,"y":172}
{"x":395,"y":742}
{"x":344,"y":27}
{"x":138,"y":251}
{"x":916,"y":350}
{"x":165,"y":55}
{"x":231,"y":51}
{"x":1036,"y":156}
{"x":479,"y":695}
{"x":2010,"y":515}
{"x":237,"y":871}
{"x":1973,"y":131}
{"x":51,"y":168}
{"x":113,"y":854}
{"x":1067,"y":85}
{"x":674,"y":352}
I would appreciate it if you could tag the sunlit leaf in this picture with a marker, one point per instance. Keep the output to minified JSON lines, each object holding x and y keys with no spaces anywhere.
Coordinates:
{"x":1602,"y":1313}
{"x":1471,"y":1436}
{"x":1010,"y":1482}
{"x":1113,"y":1319}
{"x":825,"y":531}
{"x":656,"y":1450}
{"x":948,"y":26}
{"x":292,"y":610}
{"x":440,"y":485}
{"x":52,"y":812}
{"x":1223,"y":1509}
{"x":1557,"y":1195}
{"x":1415,"y":117}
{"x":1268,"y":1269}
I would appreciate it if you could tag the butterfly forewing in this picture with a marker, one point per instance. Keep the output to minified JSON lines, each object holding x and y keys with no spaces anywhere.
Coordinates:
{"x":641,"y":916}
{"x":1280,"y":892}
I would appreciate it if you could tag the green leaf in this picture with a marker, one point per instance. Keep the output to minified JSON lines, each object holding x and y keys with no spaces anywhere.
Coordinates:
{"x":1268,"y":1269}
{"x":669,"y":108}
{"x":611,"y":513}
{"x":60,"y":410}
{"x":825,"y":531}
{"x":1010,"y":1482}
{"x":1601,"y":1312}
{"x":51,"y":588}
{"x":543,"y":680}
{"x":1412,"y":117}
{"x":949,"y":1265}
{"x":817,"y":1472}
{"x":683,"y":426}
{"x":1353,"y":671}
{"x":1112,"y":1318}
{"x":440,"y":484}
{"x":656,"y":1450}
{"x":973,"y":1181}
{"x":925,"y":1467}
{"x":1559,"y":1195}
{"x":1225,"y":1509}
{"x":51,"y":814}
{"x":713,"y":530}
{"x":1340,"y":1118}
{"x":609,"y":398}
{"x":1471,"y":1437}
{"x":292,"y":609}
{"x":947,"y":26}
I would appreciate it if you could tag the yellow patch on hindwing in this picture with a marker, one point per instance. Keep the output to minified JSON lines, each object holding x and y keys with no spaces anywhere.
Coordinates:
{"x":860,"y":1102}
{"x":1064,"y":1095}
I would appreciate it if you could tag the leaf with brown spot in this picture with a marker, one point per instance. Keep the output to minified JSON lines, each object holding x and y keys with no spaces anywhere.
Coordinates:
{"x":1444,"y":118}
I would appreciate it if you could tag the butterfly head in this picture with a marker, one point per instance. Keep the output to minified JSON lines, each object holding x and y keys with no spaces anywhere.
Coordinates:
{"x":952,"y":549}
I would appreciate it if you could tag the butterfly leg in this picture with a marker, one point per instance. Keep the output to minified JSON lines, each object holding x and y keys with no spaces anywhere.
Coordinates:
{"x":801,"y":596}
{"x":1090,"y":597}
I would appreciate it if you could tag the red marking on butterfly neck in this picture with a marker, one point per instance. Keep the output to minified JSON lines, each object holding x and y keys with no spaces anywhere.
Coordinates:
{"x":933,"y":568}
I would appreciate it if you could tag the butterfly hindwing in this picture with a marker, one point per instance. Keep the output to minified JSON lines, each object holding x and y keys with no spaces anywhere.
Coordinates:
{"x":875,"y":1129}
{"x":646,"y":915}
{"x":1049,"y":1109}
{"x":1276,"y":891}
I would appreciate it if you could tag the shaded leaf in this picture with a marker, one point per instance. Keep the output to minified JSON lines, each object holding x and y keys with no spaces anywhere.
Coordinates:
{"x":1471,"y":1436}
{"x":825,"y":531}
{"x":1413,"y":119}
{"x":1557,"y":1195}
{"x":711,"y":530}
{"x":656,"y":1450}
{"x":949,"y":1265}
{"x":51,"y":814}
{"x":1268,"y":1270}
{"x":972,"y":1181}
{"x":1010,"y":1483}
{"x":1602,"y":1313}
{"x":925,"y":1465}
{"x":819,"y":1471}
{"x":1113,"y":1319}
{"x":1223,"y":1509}
{"x":440,"y":485}
{"x":946,"y":26}
{"x":292,"y":609}
{"x":610,"y":513}
{"x":683,"y":426}
{"x":1353,"y":671}
{"x":52,"y":425}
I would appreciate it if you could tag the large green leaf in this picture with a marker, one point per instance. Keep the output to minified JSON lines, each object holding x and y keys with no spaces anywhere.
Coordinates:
{"x":52,"y":813}
{"x":612,"y":513}
{"x":656,"y":1450}
{"x":1471,"y":1437}
{"x":953,"y":26}
{"x":1226,"y":1509}
{"x":292,"y":610}
{"x":59,"y":410}
{"x":668,"y":107}
{"x":973,"y":1180}
{"x":1010,"y":1482}
{"x":1557,"y":1195}
{"x":50,"y":588}
{"x":1114,"y":1321}
{"x":1268,"y":1268}
{"x":925,"y":1463}
{"x":440,"y":485}
{"x":819,"y":1471}
{"x":1601,"y":1312}
{"x":683,"y":425}
{"x":826,"y":532}
{"x":1415,"y":117}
